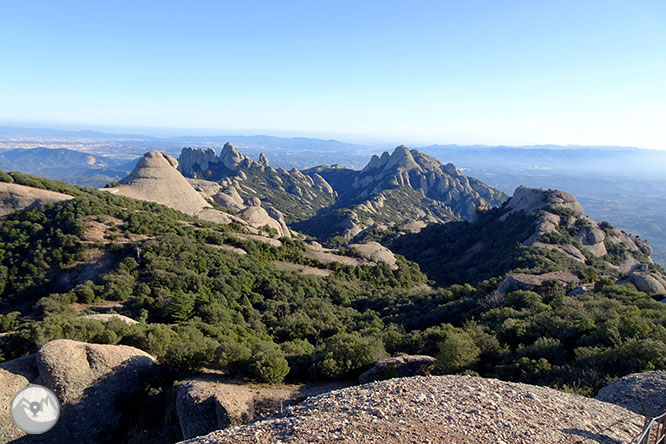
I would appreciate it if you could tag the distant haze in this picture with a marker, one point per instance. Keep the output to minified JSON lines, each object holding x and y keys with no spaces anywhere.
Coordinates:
{"x":512,"y":73}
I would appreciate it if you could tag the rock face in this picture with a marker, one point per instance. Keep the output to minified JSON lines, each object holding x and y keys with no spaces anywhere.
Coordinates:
{"x":88,"y":380}
{"x":206,"y":403}
{"x":642,"y":393}
{"x":443,"y":183}
{"x":14,"y":197}
{"x":558,"y":211}
{"x":443,"y":409}
{"x":248,"y":210}
{"x":375,"y":252}
{"x":399,"y":367}
{"x":155,"y":178}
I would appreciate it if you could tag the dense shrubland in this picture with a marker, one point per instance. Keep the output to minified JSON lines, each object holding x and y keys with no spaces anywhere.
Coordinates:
{"x":199,"y":305}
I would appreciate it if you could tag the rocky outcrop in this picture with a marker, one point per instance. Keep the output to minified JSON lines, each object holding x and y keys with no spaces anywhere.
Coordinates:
{"x":207,"y":402}
{"x":651,"y":283}
{"x":155,"y":178}
{"x":642,"y":393}
{"x":107,"y":317}
{"x":559,"y":213}
{"x":443,"y":183}
{"x":399,"y":367}
{"x":531,"y":200}
{"x":442,"y":409}
{"x":524,"y":281}
{"x":375,"y":252}
{"x":15,"y":197}
{"x":88,"y":379}
{"x":69,"y":368}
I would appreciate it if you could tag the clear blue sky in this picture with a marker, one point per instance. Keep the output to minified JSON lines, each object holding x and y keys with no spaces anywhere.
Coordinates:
{"x":493,"y":72}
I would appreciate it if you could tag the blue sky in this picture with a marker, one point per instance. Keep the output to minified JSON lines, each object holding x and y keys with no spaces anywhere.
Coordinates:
{"x":491,"y":72}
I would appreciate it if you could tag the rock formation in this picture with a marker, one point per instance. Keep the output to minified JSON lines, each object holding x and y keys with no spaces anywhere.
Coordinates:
{"x":375,"y":252}
{"x":207,"y":403}
{"x":88,"y":380}
{"x":442,"y":409}
{"x":443,"y":183}
{"x":15,"y":197}
{"x":559,"y":212}
{"x":643,"y":393}
{"x":155,"y":178}
{"x":399,"y":367}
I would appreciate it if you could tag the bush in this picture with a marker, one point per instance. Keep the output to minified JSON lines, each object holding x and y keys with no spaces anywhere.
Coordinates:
{"x":348,"y":354}
{"x":268,"y":363}
{"x":457,"y":352}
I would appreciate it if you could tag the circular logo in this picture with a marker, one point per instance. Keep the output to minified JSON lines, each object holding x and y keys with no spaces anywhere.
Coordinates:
{"x":35,"y":409}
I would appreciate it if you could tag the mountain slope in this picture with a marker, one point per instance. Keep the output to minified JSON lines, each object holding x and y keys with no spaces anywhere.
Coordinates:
{"x":403,"y":187}
{"x":536,"y":231}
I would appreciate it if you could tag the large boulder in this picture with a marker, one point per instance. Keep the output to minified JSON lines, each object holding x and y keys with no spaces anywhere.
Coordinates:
{"x":647,"y":283}
{"x":92,"y":382}
{"x":375,"y":252}
{"x":643,"y":393}
{"x":208,"y":402}
{"x":398,"y":367}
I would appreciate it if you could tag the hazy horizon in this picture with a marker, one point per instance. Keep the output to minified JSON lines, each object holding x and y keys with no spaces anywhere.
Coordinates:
{"x":519,"y":73}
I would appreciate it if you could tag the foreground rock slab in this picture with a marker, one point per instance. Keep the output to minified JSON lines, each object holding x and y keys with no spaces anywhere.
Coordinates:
{"x":90,"y":380}
{"x":442,"y":409}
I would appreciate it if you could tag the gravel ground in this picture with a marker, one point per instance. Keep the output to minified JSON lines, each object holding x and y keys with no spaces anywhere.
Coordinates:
{"x":441,"y":409}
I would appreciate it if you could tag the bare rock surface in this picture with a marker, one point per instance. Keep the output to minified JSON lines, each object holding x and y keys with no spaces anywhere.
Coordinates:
{"x":531,"y":200}
{"x":642,"y":393}
{"x":90,"y":380}
{"x":156,"y":179}
{"x":15,"y":197}
{"x":208,"y":402}
{"x":398,"y":367}
{"x":106,"y":317}
{"x":69,"y":367}
{"x":10,"y":384}
{"x":375,"y":252}
{"x":443,"y":409}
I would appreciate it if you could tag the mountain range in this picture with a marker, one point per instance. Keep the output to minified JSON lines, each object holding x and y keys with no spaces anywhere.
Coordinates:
{"x":166,"y":296}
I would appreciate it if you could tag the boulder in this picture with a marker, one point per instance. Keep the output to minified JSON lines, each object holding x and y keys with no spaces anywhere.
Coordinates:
{"x":207,"y":402}
{"x":647,"y":283}
{"x":642,"y":393}
{"x":375,"y":252}
{"x":106,"y":317}
{"x":91,"y":381}
{"x":10,"y":384}
{"x":399,"y":367}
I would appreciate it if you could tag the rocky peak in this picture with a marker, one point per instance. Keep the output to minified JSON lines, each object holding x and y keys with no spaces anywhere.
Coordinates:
{"x":230,"y":156}
{"x":531,"y":200}
{"x":263,"y":160}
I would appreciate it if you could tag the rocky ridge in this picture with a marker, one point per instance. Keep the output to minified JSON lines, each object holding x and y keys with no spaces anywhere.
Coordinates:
{"x":15,"y":197}
{"x":157,"y":179}
{"x":560,"y":213}
{"x":451,"y":409}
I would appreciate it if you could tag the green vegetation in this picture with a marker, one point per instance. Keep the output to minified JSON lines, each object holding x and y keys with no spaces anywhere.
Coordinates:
{"x":203,"y":306}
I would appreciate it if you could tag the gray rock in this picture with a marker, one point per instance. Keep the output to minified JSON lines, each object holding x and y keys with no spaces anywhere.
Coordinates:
{"x":642,"y":393}
{"x":647,"y":283}
{"x":399,"y":367}
{"x":15,"y":197}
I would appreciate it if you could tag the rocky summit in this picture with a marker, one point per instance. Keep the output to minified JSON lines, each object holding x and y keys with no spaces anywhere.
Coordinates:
{"x":443,"y":409}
